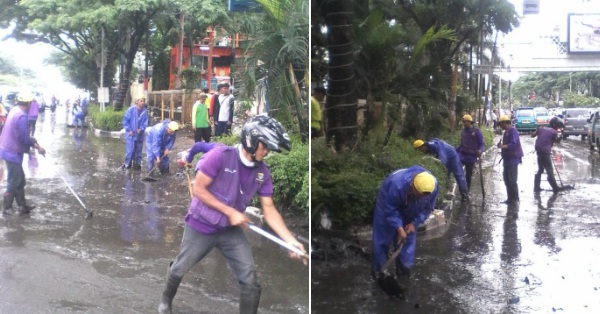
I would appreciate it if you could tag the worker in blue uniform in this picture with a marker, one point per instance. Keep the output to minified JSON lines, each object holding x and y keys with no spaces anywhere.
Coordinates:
{"x":159,"y":142}
{"x":405,"y":200}
{"x":447,"y":154}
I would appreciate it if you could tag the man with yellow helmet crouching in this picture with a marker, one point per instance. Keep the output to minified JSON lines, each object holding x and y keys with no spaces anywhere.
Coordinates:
{"x":405,"y":200}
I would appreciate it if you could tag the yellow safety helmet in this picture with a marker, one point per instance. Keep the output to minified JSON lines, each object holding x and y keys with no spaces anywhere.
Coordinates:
{"x":424,"y":182}
{"x":468,"y":117}
{"x":418,"y":143}
{"x":504,"y":118}
{"x":173,"y":126}
{"x":24,"y":97}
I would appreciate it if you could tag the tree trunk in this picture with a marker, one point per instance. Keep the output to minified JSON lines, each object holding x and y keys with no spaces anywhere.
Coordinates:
{"x":134,"y":45}
{"x":341,"y":106}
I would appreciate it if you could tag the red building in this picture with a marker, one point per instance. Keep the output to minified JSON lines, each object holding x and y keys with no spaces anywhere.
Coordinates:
{"x":214,"y":55}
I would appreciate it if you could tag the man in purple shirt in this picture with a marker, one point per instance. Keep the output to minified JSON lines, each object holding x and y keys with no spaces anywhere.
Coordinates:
{"x":512,"y":152}
{"x":546,"y":136}
{"x":471,"y":146}
{"x":227,"y":179}
{"x":14,"y":142}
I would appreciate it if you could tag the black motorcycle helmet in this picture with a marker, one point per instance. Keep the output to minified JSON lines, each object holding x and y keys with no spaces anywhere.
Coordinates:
{"x":266,"y":130}
{"x":557,"y":122}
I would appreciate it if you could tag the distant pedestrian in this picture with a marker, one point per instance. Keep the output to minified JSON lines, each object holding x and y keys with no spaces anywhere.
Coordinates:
{"x":200,"y":119}
{"x":449,"y":158}
{"x":512,"y":154}
{"x":223,"y":107}
{"x":316,"y":112}
{"x":470,"y":148}
{"x":32,"y":115}
{"x":159,"y":142}
{"x":14,"y":142}
{"x":135,"y":122}
{"x":405,"y":200}
{"x":226,"y":181}
{"x":546,"y":137}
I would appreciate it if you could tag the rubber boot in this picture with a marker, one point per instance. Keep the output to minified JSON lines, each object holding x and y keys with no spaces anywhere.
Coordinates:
{"x":163,"y":170}
{"x":137,"y":166}
{"x":249,"y":299}
{"x":23,"y":207}
{"x":536,"y":183}
{"x":8,"y":203}
{"x":171,"y":286}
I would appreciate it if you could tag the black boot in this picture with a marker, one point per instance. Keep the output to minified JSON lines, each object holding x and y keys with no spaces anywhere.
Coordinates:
{"x":170,"y":290}
{"x":8,"y":203}
{"x":249,"y":299}
{"x":163,"y":170}
{"x":536,"y":183}
{"x":137,"y":166}
{"x":23,"y":207}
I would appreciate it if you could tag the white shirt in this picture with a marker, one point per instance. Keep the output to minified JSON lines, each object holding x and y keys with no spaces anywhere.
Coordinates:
{"x":225,"y":109}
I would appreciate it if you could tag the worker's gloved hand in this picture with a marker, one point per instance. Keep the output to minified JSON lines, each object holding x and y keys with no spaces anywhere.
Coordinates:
{"x":401,"y":235}
{"x":293,"y":255}
{"x":238,"y":219}
{"x":410,"y":228}
{"x":166,"y":152}
{"x":188,"y":165}
{"x":478,"y":153}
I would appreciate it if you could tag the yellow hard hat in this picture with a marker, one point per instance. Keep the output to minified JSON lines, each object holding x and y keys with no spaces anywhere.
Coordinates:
{"x":467,"y":117}
{"x":504,"y":118}
{"x":24,"y":97}
{"x":418,"y":143}
{"x":424,"y":182}
{"x":142,"y":96}
{"x":173,"y":126}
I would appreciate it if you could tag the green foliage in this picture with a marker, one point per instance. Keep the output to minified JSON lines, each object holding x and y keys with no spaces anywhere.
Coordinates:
{"x":190,"y":79}
{"x":109,"y":120}
{"x":346,"y":182}
{"x":290,"y":177}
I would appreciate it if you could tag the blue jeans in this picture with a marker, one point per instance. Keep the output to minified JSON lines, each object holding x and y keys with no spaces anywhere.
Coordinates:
{"x":15,"y":178}
{"x":222,"y":128}
{"x":233,"y":245}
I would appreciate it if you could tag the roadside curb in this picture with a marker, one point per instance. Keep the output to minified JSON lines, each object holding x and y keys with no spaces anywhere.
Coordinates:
{"x":103,"y":133}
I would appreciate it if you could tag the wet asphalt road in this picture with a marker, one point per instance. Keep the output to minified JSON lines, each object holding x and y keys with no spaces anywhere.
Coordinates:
{"x":542,"y":256}
{"x":54,"y":261}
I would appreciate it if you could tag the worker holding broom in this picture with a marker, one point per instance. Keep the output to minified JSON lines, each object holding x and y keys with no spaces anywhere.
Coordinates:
{"x":405,"y":200}
{"x":227,"y":179}
{"x":14,"y":142}
{"x":159,"y":142}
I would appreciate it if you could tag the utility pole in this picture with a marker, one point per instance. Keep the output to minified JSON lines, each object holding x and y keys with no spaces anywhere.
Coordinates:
{"x":147,"y":53}
{"x":102,"y":65}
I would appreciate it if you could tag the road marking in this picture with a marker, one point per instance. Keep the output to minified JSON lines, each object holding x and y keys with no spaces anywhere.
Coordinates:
{"x":569,"y":155}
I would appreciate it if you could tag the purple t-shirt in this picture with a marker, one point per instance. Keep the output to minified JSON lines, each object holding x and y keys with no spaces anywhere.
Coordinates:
{"x":210,"y":165}
{"x":545,"y":140}
{"x":212,"y":161}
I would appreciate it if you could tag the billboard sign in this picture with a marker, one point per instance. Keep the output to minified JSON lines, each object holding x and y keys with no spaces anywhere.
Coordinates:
{"x":584,"y":33}
{"x":243,"y":6}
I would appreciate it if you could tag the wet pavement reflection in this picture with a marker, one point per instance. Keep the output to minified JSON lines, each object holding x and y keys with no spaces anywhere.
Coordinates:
{"x":117,"y":260}
{"x":539,"y":256}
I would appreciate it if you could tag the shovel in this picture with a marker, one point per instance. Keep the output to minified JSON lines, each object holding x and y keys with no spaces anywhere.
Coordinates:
{"x":189,"y":183}
{"x":277,"y":240}
{"x":148,"y":178}
{"x":386,"y":281}
{"x":481,"y":179}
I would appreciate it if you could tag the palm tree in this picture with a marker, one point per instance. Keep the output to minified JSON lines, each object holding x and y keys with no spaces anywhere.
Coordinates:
{"x":278,"y":55}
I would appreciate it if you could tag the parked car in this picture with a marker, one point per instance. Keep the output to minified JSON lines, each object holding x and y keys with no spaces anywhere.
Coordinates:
{"x":594,"y":130}
{"x":525,"y":119}
{"x":575,"y":120}
{"x":542,"y":116}
{"x":9,"y":100}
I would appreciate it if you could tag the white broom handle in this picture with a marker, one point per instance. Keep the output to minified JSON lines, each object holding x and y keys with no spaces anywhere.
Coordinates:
{"x":277,"y":240}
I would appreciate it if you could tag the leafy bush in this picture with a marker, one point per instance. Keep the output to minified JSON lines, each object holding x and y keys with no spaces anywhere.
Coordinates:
{"x":290,"y":176}
{"x":346,"y":182}
{"x":109,"y":120}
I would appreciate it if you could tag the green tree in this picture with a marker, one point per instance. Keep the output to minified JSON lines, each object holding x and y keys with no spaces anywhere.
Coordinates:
{"x":278,"y":55}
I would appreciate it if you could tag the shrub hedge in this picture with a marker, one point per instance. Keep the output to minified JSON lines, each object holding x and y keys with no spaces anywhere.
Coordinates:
{"x":345,"y":183}
{"x":109,"y":120}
